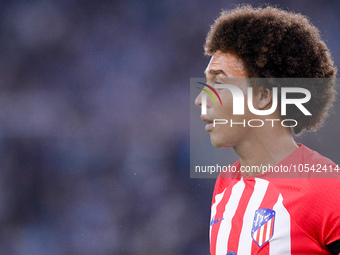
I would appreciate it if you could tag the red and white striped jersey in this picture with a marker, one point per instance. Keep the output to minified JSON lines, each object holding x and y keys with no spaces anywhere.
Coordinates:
{"x":265,"y":215}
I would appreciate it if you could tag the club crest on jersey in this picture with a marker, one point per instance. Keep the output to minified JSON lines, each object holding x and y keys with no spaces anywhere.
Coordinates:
{"x":263,"y":226}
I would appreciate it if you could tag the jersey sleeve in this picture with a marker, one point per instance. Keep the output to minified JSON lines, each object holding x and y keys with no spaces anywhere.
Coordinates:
{"x":320,"y":218}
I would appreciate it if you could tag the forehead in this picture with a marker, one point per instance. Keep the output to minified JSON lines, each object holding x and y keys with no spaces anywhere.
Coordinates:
{"x":229,"y":63}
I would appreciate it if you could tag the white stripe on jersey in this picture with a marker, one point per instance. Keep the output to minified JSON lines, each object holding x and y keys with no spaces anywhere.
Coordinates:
{"x":255,"y":234}
{"x":261,"y":236}
{"x":229,"y":212}
{"x":218,"y":199}
{"x":280,"y":243}
{"x":245,"y":243}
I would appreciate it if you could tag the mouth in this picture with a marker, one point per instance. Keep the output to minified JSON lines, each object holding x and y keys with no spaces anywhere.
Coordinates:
{"x":209,"y":126}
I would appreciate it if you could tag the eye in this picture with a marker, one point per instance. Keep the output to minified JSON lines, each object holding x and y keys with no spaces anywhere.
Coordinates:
{"x":219,"y":81}
{"x":219,"y":89}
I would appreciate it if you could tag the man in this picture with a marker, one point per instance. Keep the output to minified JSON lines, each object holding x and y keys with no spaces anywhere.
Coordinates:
{"x":256,"y":213}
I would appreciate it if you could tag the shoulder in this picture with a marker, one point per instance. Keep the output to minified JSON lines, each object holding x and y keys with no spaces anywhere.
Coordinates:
{"x":312,"y":204}
{"x":314,"y":156}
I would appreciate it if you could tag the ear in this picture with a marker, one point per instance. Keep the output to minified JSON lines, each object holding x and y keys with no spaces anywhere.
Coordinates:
{"x":262,"y":98}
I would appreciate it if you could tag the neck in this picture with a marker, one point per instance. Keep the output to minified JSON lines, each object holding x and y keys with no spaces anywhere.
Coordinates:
{"x":266,"y":147}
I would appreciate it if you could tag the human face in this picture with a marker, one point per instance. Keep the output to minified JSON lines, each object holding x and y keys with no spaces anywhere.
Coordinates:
{"x":223,"y":66}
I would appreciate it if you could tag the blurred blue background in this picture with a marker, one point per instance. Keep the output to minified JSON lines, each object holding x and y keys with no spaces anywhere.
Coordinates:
{"x":94,"y":123}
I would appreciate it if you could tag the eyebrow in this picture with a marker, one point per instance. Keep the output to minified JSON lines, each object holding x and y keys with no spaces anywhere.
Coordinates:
{"x":216,"y":72}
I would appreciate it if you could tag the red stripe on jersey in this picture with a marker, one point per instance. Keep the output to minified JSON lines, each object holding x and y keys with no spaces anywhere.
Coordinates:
{"x":237,"y":221}
{"x":219,"y":215}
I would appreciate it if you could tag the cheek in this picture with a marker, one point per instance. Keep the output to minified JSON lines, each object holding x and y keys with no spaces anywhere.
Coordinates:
{"x":226,"y":109}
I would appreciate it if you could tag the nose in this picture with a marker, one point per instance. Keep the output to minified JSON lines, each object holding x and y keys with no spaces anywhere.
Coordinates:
{"x":198,"y":100}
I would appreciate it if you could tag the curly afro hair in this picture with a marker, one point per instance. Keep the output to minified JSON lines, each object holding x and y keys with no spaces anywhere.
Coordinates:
{"x":273,"y":43}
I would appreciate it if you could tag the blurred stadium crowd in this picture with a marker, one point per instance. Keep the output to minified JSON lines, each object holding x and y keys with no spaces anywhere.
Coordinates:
{"x":94,"y":125}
